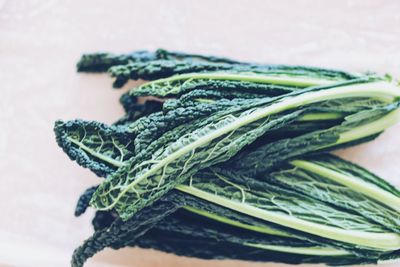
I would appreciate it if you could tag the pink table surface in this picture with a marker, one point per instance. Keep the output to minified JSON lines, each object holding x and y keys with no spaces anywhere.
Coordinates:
{"x":40,"y":42}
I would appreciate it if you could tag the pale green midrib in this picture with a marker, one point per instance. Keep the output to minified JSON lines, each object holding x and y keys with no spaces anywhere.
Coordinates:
{"x":316,"y":116}
{"x":352,"y":182}
{"x":205,"y":100}
{"x":379,"y":90}
{"x":259,"y":229}
{"x":381,"y":241}
{"x":109,"y":160}
{"x":321,"y":116}
{"x":371,"y":128}
{"x":253,"y":77}
{"x":312,"y":251}
{"x":307,"y":117}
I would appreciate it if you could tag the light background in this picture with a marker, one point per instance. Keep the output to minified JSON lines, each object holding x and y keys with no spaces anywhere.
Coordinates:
{"x":40,"y":42}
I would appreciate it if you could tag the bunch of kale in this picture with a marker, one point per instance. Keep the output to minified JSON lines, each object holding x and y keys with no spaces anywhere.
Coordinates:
{"x":229,"y":160}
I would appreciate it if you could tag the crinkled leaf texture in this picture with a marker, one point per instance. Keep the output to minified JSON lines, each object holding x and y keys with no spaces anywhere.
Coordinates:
{"x":154,"y":172}
{"x":82,"y":140}
{"x":139,"y":184}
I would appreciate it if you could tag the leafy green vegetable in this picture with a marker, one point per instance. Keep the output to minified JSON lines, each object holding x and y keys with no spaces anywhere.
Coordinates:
{"x":118,"y":230}
{"x":144,"y":179}
{"x":185,"y":245}
{"x":83,"y":201}
{"x":161,"y":64}
{"x":100,"y":62}
{"x":183,"y":227}
{"x":290,"y":209}
{"x":356,"y":128}
{"x":111,"y":145}
{"x":263,"y":228}
{"x":177,"y":84}
{"x":230,"y":161}
{"x":335,"y":182}
{"x":196,"y":227}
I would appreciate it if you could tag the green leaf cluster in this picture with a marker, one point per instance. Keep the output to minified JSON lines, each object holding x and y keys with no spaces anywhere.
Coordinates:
{"x":229,"y":160}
